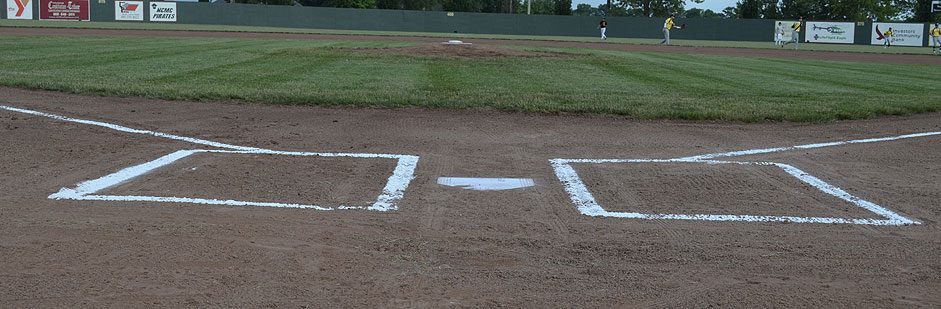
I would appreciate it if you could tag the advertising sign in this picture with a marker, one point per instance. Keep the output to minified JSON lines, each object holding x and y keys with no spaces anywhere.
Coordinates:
{"x":830,"y":32}
{"x":786,"y":25}
{"x":163,"y":11}
{"x":19,"y":9}
{"x":63,"y":9}
{"x":902,"y":34}
{"x":129,"y":10}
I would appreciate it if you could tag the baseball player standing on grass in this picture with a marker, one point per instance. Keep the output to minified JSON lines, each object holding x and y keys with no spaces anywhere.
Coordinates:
{"x":667,"y":25}
{"x":888,"y":38}
{"x":779,"y":34}
{"x":795,"y":33}
{"x":935,"y":34}
{"x":602,"y":26}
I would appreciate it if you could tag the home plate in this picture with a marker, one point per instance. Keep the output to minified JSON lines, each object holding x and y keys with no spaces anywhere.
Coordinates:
{"x":486,"y":183}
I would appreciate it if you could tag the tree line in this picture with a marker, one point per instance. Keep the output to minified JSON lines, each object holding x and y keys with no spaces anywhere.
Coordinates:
{"x":835,"y":10}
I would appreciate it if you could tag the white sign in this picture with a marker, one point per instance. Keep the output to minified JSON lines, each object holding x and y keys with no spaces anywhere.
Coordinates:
{"x":830,"y":32}
{"x":163,"y":11}
{"x":902,"y":34}
{"x":129,"y":10}
{"x":20,"y":9}
{"x":786,"y":25}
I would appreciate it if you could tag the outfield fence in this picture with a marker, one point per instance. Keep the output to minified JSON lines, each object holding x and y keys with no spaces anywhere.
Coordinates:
{"x":861,"y":33}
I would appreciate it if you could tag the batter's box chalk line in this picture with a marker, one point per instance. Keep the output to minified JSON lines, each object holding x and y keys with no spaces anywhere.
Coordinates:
{"x":387,"y":200}
{"x":587,"y":205}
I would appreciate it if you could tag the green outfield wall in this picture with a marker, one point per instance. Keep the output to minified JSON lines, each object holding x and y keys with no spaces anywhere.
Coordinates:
{"x":454,"y":22}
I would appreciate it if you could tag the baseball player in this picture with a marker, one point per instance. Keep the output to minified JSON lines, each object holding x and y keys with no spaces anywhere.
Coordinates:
{"x":602,"y":26}
{"x":935,"y":34}
{"x":795,"y":33}
{"x":888,"y":38}
{"x":779,"y":34}
{"x":667,"y":25}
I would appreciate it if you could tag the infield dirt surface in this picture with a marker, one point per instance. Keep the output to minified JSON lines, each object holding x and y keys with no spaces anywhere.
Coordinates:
{"x":448,"y":246}
{"x":452,"y":247}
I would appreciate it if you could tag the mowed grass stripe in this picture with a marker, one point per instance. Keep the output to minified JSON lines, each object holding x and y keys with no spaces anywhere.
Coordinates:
{"x":642,"y":85}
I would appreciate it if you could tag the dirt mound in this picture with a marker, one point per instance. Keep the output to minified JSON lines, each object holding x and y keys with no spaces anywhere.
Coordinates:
{"x":459,"y":51}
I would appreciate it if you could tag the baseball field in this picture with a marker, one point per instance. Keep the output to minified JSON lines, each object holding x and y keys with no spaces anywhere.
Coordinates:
{"x":201,"y":166}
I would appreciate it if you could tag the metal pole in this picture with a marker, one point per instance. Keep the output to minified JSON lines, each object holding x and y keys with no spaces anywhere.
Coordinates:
{"x":528,"y":3}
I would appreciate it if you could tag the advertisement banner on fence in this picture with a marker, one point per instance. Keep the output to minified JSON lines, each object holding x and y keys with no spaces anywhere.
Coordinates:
{"x":129,"y":10}
{"x":163,"y":11}
{"x":20,"y":9}
{"x":63,"y":10}
{"x":786,"y":25}
{"x":830,"y":32}
{"x":902,"y":34}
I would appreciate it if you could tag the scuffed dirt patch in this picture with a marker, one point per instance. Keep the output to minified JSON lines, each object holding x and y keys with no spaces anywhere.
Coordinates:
{"x":459,"y":51}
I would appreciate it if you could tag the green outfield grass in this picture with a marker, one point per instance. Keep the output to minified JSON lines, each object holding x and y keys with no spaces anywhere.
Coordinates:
{"x":612,"y":33}
{"x":642,"y":85}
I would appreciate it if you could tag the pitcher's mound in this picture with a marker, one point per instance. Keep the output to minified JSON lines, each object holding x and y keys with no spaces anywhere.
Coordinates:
{"x":459,"y":51}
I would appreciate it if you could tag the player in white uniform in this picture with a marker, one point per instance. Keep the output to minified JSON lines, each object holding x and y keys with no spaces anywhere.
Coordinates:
{"x":779,"y":34}
{"x":602,"y":26}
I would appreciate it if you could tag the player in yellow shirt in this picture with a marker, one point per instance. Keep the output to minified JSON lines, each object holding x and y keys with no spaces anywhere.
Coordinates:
{"x":795,"y":33}
{"x":935,"y":34}
{"x":667,"y":25}
{"x":888,"y":38}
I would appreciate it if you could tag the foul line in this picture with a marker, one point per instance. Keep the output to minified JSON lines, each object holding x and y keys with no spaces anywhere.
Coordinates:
{"x":393,"y":191}
{"x":807,"y":146}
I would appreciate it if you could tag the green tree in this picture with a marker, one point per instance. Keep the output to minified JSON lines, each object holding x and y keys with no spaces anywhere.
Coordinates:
{"x":461,"y":5}
{"x":584,"y":9}
{"x":700,"y":13}
{"x":563,"y":7}
{"x":918,"y":11}
{"x":542,"y":7}
{"x":418,"y":5}
{"x":650,"y":8}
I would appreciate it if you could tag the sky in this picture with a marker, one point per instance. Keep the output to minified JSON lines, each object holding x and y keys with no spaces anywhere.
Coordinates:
{"x":715,"y":5}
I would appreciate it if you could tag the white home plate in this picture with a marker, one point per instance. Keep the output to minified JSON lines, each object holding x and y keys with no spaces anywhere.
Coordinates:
{"x":486,"y":183}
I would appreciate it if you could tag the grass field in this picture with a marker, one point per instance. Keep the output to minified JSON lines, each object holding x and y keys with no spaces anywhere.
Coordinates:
{"x":642,"y":85}
{"x":613,"y":36}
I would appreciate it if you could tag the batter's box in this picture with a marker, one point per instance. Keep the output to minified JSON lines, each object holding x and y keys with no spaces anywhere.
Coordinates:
{"x":387,"y":200}
{"x":587,"y":205}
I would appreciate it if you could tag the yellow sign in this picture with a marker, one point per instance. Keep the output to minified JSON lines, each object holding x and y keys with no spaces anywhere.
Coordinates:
{"x":450,"y":13}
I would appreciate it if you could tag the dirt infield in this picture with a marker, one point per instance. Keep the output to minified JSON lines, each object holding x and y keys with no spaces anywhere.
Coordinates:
{"x":772,"y":53}
{"x":452,"y":247}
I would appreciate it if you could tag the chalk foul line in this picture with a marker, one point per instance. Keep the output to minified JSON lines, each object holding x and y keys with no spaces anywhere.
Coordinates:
{"x":393,"y":191}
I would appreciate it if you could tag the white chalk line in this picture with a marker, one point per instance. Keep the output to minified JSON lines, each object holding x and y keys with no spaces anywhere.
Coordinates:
{"x":393,"y":191}
{"x":807,"y":146}
{"x":587,"y":205}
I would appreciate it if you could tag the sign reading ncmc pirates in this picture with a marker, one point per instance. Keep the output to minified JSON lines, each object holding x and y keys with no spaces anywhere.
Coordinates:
{"x":163,"y":11}
{"x":63,"y":10}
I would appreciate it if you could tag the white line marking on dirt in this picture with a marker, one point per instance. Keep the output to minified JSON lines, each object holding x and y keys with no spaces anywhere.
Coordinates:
{"x":388,"y":200}
{"x":808,"y":146}
{"x":129,"y":130}
{"x":587,"y":204}
{"x":485,"y":184}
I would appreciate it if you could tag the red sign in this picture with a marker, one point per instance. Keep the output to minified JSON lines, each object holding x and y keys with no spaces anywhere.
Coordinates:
{"x":63,"y":9}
